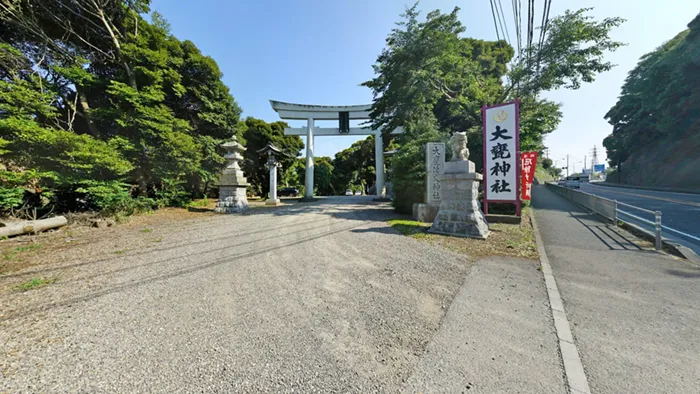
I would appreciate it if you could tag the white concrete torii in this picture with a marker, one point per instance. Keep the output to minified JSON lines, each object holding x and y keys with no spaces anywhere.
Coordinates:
{"x":331,"y":112}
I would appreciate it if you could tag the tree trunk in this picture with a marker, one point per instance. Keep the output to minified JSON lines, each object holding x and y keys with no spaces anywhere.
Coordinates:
{"x":32,"y":226}
{"x":85,"y":111}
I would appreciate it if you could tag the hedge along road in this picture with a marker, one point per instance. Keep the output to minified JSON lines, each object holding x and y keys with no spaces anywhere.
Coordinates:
{"x":680,"y":211}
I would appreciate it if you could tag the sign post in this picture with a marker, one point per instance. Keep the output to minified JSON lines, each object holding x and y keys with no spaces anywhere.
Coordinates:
{"x":527,"y":174}
{"x":501,"y":137}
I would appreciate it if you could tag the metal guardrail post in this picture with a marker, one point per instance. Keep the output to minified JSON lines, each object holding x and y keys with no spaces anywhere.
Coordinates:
{"x":615,"y":213}
{"x":657,"y":225}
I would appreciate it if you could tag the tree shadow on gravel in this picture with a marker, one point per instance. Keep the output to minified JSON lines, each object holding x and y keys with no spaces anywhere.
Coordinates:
{"x":229,"y":259}
{"x":353,"y":208}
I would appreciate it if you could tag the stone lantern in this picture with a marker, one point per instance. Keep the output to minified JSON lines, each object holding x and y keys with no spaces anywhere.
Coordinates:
{"x":273,"y":153}
{"x":232,"y":183}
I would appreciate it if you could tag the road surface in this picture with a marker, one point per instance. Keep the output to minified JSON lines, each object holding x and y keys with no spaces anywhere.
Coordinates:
{"x":634,"y":313}
{"x":680,"y":211}
{"x":311,"y":298}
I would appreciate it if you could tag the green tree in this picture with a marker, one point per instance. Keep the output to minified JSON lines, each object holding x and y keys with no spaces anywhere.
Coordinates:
{"x":430,"y":78}
{"x":660,"y":98}
{"x":323,"y":173}
{"x":256,"y":135}
{"x":354,"y":166}
{"x":112,"y":84}
{"x":547,"y":163}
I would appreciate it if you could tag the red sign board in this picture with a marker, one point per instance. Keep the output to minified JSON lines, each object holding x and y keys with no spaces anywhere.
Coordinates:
{"x":528,"y":161}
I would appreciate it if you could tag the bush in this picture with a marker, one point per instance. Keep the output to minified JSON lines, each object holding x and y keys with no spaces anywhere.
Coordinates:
{"x":408,"y":165}
{"x":113,"y":198}
{"x":172,"y":193}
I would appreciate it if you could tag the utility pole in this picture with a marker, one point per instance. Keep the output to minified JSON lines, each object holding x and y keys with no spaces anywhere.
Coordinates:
{"x":584,"y":163}
{"x":567,"y":165}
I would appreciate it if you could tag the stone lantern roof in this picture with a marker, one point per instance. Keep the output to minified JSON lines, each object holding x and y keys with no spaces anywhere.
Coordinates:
{"x":271,"y":149}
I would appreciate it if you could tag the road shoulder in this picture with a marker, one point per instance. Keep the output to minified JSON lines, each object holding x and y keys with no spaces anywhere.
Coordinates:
{"x":633,"y":311}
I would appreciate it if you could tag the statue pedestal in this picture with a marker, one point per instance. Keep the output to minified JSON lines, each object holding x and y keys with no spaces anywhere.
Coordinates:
{"x":459,"y":213}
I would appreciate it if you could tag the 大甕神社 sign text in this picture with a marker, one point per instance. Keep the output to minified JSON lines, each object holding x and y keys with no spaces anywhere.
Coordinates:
{"x":501,"y":154}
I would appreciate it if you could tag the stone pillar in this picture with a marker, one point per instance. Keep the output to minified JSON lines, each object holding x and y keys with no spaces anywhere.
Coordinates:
{"x":379,"y":164}
{"x":232,"y":183}
{"x":309,"y":182}
{"x":272,"y":163}
{"x":435,"y":167}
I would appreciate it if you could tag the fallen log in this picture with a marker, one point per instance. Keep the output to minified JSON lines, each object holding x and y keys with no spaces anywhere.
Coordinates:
{"x":32,"y":226}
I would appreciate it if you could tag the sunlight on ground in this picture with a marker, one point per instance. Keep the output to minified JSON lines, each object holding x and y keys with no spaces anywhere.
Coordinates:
{"x":516,"y":240}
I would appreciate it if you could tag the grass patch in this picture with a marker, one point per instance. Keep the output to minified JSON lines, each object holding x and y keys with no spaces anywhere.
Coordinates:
{"x":409,"y":228}
{"x":118,"y":252}
{"x":516,"y":240}
{"x":27,"y":248}
{"x":145,"y":230}
{"x":200,"y":203}
{"x":11,"y":254}
{"x":36,"y":283}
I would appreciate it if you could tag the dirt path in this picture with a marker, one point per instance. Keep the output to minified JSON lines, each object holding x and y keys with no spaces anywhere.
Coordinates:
{"x":319,"y":298}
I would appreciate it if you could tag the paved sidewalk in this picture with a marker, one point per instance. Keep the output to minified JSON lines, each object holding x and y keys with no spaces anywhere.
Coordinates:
{"x":497,"y":336}
{"x":635,"y":313}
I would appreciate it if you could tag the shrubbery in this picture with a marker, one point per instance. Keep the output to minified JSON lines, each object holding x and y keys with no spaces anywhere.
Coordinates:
{"x":112,"y":121}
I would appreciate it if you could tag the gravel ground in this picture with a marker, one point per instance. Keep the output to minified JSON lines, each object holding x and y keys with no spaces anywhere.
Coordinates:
{"x":321,"y":297}
{"x":634,"y":312}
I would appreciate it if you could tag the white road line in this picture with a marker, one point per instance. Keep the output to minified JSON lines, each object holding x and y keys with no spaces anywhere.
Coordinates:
{"x":573,"y":368}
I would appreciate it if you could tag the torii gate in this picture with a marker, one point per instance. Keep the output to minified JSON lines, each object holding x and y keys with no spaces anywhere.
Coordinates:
{"x":343,"y":113}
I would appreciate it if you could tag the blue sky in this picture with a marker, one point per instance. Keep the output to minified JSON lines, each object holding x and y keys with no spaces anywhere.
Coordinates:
{"x":319,"y":51}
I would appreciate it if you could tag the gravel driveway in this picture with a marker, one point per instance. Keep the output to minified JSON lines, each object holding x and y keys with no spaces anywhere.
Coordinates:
{"x":320,"y":297}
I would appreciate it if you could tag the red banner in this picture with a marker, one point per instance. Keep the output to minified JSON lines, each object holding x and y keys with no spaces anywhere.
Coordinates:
{"x":528,"y":162}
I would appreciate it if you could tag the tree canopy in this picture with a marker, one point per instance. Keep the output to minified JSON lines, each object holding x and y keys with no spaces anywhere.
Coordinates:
{"x":256,"y":135}
{"x":660,"y":98}
{"x":434,"y":82}
{"x":93,"y":98}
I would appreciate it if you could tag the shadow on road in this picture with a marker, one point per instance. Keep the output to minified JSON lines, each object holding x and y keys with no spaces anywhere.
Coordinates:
{"x":690,"y":273}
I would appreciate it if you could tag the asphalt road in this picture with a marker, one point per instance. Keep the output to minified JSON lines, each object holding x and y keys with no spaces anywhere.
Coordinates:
{"x":321,"y":297}
{"x":634,"y":312}
{"x":680,"y":211}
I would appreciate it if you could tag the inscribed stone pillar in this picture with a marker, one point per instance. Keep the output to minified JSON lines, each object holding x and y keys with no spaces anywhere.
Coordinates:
{"x":435,"y":166}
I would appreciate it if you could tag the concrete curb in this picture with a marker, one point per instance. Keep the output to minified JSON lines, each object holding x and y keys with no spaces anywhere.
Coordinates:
{"x":573,"y":368}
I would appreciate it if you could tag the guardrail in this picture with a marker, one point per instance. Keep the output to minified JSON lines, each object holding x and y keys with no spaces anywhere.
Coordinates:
{"x":610,"y":209}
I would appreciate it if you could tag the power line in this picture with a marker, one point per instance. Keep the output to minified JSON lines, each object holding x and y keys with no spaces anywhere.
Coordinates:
{"x":502,"y":21}
{"x":493,"y":13}
{"x":543,"y":30}
{"x":516,"y":20}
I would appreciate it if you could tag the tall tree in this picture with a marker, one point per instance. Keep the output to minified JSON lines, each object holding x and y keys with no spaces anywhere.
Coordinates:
{"x":431,"y":79}
{"x":257,"y":134}
{"x":108,"y":76}
{"x":660,"y":98}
